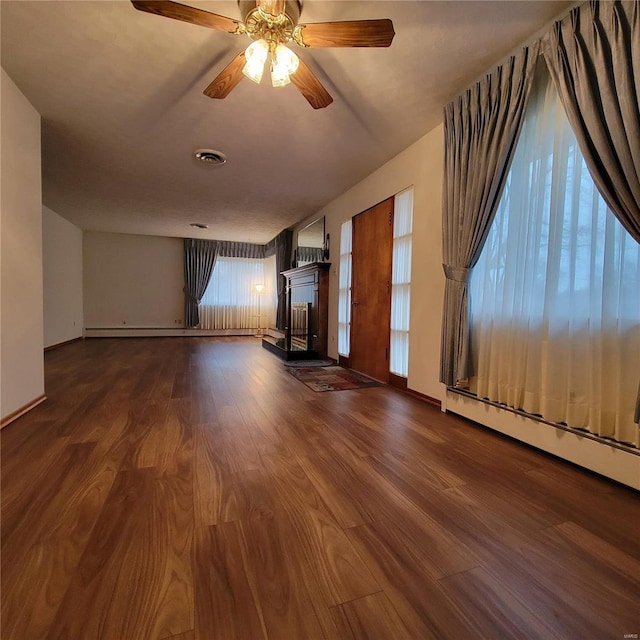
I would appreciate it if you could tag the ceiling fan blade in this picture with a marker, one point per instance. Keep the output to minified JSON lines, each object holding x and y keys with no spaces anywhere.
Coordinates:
{"x":310,"y":87}
{"x":227,"y":79}
{"x":354,"y":33}
{"x":272,"y":7}
{"x":192,"y":15}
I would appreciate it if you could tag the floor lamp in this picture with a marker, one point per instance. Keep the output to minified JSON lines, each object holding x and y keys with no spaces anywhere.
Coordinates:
{"x":259,"y":289}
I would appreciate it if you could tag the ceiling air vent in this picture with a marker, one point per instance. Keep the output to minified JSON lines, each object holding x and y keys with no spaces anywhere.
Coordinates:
{"x":210,"y":156}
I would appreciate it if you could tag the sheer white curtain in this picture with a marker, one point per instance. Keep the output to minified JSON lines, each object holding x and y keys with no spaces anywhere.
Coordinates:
{"x":344,"y":289}
{"x":231,"y":301}
{"x":401,"y":282}
{"x":556,"y":292}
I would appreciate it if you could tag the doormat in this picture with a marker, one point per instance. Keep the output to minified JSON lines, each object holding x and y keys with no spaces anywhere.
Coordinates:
{"x":332,"y":378}
{"x":304,"y":364}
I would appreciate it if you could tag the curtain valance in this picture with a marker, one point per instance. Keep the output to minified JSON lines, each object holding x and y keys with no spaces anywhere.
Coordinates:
{"x":242,"y":250}
{"x":310,"y":254}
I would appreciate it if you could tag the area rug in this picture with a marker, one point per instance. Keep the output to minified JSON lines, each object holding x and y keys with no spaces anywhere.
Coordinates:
{"x":332,"y":378}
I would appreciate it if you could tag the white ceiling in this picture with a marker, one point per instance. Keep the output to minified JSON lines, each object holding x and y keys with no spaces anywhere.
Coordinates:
{"x":120,"y":94}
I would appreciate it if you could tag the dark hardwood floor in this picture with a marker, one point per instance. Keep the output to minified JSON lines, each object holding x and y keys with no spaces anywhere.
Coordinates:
{"x":190,"y":488}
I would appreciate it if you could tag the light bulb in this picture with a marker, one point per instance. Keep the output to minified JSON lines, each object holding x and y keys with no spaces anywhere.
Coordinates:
{"x":283,"y":63}
{"x":256,"y":55}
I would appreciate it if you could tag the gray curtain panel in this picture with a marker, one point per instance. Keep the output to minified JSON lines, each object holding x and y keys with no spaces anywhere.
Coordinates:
{"x":199,"y":259}
{"x":481,"y":129}
{"x":283,"y":244}
{"x":593,"y":56}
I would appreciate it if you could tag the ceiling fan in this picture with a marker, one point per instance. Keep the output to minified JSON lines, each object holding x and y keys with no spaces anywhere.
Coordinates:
{"x":272,"y":25}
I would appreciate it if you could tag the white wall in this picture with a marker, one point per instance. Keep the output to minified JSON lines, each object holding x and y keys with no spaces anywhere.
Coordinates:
{"x":132,"y":281}
{"x":21,"y":343}
{"x":62,"y":278}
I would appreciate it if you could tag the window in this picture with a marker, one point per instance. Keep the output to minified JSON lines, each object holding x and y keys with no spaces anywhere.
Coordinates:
{"x":231,"y":301}
{"x":555,"y":296}
{"x":344,"y":289}
{"x":401,"y":282}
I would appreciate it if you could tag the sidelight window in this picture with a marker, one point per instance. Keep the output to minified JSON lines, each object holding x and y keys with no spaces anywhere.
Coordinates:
{"x":344,"y":289}
{"x":401,"y":282}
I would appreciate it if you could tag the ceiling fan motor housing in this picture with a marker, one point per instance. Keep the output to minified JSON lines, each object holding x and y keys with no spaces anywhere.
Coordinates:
{"x":291,"y":7}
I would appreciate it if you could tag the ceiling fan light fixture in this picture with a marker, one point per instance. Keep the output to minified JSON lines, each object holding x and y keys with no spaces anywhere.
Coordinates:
{"x":283,"y":63}
{"x":256,"y":55}
{"x":279,"y":80}
{"x":271,"y":24}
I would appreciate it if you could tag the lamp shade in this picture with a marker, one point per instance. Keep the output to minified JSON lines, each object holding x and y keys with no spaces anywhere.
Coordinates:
{"x":256,"y":55}
{"x":283,"y":63}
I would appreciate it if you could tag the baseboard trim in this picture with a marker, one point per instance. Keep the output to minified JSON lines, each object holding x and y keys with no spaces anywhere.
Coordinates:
{"x":609,"y":442}
{"x":421,"y":396}
{"x":162,"y":332}
{"x":606,"y":458}
{"x":399,"y":382}
{"x":61,"y":344}
{"x":14,"y":415}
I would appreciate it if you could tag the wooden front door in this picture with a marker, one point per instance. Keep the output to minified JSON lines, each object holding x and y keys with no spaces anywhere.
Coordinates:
{"x":371,"y":291}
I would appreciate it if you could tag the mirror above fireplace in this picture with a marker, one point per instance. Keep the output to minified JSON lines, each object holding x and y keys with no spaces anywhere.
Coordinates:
{"x":311,"y":243}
